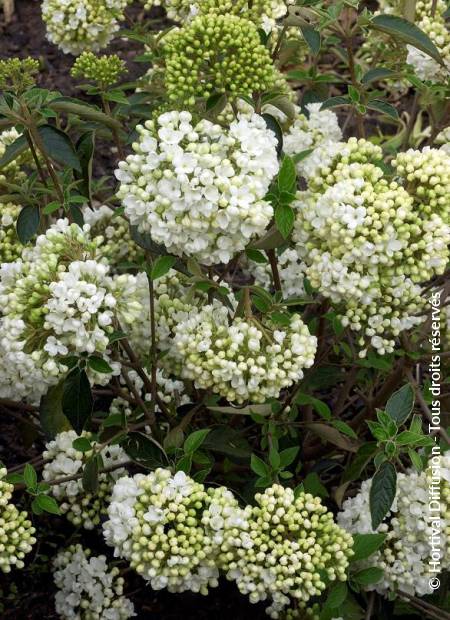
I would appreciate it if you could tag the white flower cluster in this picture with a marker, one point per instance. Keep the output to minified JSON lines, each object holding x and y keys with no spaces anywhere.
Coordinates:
{"x":64,"y":460}
{"x":443,"y":140}
{"x":16,"y":530}
{"x":80,"y":25}
{"x":368,"y":242}
{"x":286,"y":549}
{"x":58,"y":300}
{"x":170,"y":528}
{"x":405,"y":553}
{"x":199,"y":188}
{"x":245,"y":360}
{"x":291,"y":269}
{"x":317,"y":128}
{"x":10,"y":246}
{"x":436,"y":28}
{"x":88,"y":589}
{"x":112,"y":234}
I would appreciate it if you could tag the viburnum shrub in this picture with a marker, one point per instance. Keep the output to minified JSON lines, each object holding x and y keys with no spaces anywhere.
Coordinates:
{"x":225,"y":309}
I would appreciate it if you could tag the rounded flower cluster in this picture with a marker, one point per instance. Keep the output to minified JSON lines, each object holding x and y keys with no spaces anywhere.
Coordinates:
{"x":10,"y":246}
{"x":170,"y":527}
{"x":244,"y":361}
{"x":104,"y":70}
{"x":199,"y":188}
{"x":112,"y":235}
{"x":287,"y":548}
{"x":79,"y":25}
{"x":369,"y":242}
{"x":259,"y":11}
{"x":216,"y":54}
{"x":437,"y":30}
{"x":291,"y":269}
{"x":88,"y":588}
{"x":16,"y":531}
{"x":405,"y":553}
{"x":64,"y":460}
{"x":318,"y":127}
{"x":58,"y":300}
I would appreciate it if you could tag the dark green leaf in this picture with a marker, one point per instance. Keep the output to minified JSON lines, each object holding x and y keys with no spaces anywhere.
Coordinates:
{"x":140,"y":447}
{"x":85,"y":149}
{"x":59,"y":146}
{"x":225,"y":440}
{"x":333,"y":102}
{"x":284,"y":219}
{"x":99,"y":365}
{"x":258,"y":466}
{"x":382,"y":492}
{"x":312,"y":484}
{"x":256,"y":256}
{"x":336,"y":595}
{"x":274,"y":126}
{"x":383,"y":106}
{"x":53,"y":420}
{"x":30,"y":476}
{"x":366,"y":544}
{"x":77,"y":399}
{"x":287,"y":175}
{"x":407,"y":32}
{"x":312,"y":38}
{"x":161,"y":266}
{"x":195,"y":440}
{"x":379,"y":73}
{"x":47,"y":504}
{"x":367,"y":576}
{"x":13,"y":151}
{"x":400,"y":404}
{"x":28,"y":223}
{"x":82,"y":444}
{"x":362,"y":458}
{"x":90,"y":475}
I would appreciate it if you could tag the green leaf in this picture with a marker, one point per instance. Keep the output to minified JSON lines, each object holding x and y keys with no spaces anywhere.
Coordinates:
{"x":367,"y":576}
{"x":407,"y":32}
{"x":117,"y":96}
{"x":362,"y":458}
{"x":400,"y":404}
{"x":85,"y":148}
{"x":416,"y":460}
{"x":99,"y":365}
{"x":225,"y":440}
{"x":271,"y":240}
{"x":274,"y":458}
{"x":302,"y":155}
{"x":59,"y":146}
{"x":274,"y":126}
{"x":334,"y":102}
{"x":284,"y":219}
{"x":195,"y":440}
{"x":321,"y":407}
{"x":256,"y":256}
{"x":336,"y":595}
{"x":68,"y":105}
{"x":288,"y":456}
{"x":51,"y":207}
{"x":47,"y":504}
{"x":366,"y":544}
{"x":82,"y":444}
{"x":143,"y":448}
{"x":417,"y":439}
{"x":382,"y":492}
{"x":77,"y":399}
{"x":185,"y":463}
{"x":161,"y":266}
{"x":12,"y":151}
{"x":312,"y":484}
{"x":312,"y":38}
{"x":52,"y":418}
{"x":259,"y":467}
{"x":28,"y":223}
{"x":90,"y":475}
{"x":287,"y":176}
{"x":384,"y":107}
{"x":344,"y":428}
{"x":380,"y":73}
{"x":30,"y":476}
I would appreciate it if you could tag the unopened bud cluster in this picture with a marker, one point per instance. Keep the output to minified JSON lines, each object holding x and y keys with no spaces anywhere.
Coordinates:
{"x":64,"y":460}
{"x":104,"y":70}
{"x":216,"y":54}
{"x":10,"y":246}
{"x":16,"y":531}
{"x":199,"y":188}
{"x":88,"y":589}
